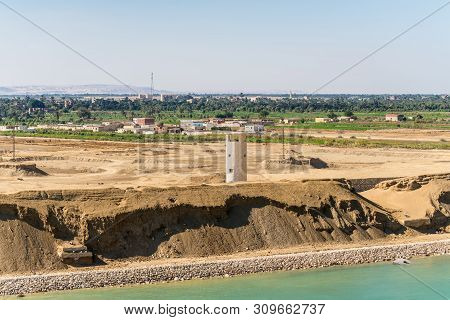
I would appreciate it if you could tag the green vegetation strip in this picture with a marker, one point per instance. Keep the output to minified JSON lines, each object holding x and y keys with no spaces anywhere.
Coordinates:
{"x":329,"y":142}
{"x":359,"y":126}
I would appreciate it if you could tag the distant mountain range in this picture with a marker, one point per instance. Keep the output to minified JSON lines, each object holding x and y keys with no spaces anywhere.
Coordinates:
{"x":94,"y":89}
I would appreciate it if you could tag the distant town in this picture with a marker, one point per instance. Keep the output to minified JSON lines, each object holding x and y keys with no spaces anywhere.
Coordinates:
{"x":148,"y":126}
{"x":148,"y":114}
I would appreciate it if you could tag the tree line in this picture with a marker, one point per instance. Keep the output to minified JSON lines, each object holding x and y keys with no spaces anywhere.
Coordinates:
{"x":26,"y":108}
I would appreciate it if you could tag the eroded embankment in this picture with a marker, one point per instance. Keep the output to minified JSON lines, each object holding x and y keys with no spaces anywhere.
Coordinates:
{"x":183,"y":222}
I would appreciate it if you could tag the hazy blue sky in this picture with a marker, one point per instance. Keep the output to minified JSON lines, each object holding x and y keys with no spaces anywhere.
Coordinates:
{"x":229,"y":46}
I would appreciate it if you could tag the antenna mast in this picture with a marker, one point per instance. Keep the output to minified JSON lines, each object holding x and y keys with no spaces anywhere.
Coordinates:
{"x":151,"y":87}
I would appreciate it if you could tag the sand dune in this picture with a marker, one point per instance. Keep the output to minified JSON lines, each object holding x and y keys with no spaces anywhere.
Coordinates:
{"x":417,"y":201}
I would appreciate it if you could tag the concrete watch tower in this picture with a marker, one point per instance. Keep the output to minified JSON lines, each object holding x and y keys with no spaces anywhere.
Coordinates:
{"x":236,"y":157}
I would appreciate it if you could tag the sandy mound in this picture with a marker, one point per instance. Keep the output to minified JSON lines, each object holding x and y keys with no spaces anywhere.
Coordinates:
{"x":421,"y":202}
{"x":25,"y":248}
{"x":17,"y":169}
{"x":202,"y":220}
{"x":208,"y":179}
{"x":295,"y":163}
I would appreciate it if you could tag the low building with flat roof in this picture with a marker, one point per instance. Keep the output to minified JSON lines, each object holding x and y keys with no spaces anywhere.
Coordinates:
{"x":395,"y":117}
{"x":323,"y":120}
{"x":144,"y":121}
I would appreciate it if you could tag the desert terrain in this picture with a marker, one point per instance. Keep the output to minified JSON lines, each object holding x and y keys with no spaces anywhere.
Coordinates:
{"x":71,"y":164}
{"x":141,"y":203}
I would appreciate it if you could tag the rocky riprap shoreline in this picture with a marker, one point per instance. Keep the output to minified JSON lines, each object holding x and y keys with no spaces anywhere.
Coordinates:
{"x":230,"y":267}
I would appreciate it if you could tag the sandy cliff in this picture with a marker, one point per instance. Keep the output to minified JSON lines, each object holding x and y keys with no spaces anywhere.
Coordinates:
{"x":182,"y":222}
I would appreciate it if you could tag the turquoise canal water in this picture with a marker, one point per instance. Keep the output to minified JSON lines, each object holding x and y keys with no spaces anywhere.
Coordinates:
{"x":425,"y":278}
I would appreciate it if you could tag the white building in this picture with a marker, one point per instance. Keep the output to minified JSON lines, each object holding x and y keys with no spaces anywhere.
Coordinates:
{"x":323,"y":120}
{"x":291,"y":121}
{"x":14,"y":128}
{"x":395,"y":117}
{"x":345,"y":118}
{"x":130,"y":128}
{"x":236,"y":158}
{"x":94,"y":127}
{"x":194,"y":125}
{"x":6,"y":128}
{"x":254,"y":99}
{"x":254,"y":128}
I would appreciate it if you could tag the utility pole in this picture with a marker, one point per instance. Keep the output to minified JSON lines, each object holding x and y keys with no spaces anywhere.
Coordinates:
{"x":14,"y":143}
{"x":282,"y":139}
